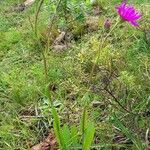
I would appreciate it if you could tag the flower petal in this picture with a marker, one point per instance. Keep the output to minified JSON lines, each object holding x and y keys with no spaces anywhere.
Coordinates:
{"x":130,"y":11}
{"x":137,"y":16}
{"x":121,"y":8}
{"x":134,"y":23}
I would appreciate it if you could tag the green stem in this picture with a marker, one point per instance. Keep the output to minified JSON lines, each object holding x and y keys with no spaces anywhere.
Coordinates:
{"x":101,"y":46}
{"x":36,"y":17}
{"x":51,"y":25}
{"x":39,"y":43}
{"x":98,"y":55}
{"x":45,"y":66}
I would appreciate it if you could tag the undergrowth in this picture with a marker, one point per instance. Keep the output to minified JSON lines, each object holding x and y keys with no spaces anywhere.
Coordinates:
{"x":45,"y":88}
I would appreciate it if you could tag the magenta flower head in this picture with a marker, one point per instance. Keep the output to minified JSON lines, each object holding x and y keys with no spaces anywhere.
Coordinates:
{"x":128,"y":13}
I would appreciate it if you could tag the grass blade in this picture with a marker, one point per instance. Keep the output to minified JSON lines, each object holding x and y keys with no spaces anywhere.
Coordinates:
{"x":128,"y":133}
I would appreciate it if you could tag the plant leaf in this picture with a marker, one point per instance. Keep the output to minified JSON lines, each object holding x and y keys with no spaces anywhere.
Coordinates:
{"x":57,"y":128}
{"x":66,"y":135}
{"x":74,"y":135}
{"x":128,"y":133}
{"x":89,"y":135}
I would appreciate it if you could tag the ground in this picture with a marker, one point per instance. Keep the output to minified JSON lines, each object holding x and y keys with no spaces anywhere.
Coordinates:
{"x":116,"y":96}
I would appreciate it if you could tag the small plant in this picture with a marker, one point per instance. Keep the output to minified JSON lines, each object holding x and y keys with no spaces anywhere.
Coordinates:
{"x":70,"y":137}
{"x":137,"y":142}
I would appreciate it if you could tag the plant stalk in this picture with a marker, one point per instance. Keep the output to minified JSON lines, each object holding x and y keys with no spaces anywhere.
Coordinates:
{"x":36,"y":17}
{"x":101,"y":47}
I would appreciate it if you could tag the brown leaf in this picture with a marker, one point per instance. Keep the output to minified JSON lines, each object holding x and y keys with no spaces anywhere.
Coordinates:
{"x":49,"y":143}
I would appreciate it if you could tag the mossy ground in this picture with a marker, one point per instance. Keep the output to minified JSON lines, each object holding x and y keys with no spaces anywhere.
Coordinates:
{"x":124,"y":64}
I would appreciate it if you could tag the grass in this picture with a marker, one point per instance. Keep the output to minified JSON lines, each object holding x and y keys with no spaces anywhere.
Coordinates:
{"x":25,"y":117}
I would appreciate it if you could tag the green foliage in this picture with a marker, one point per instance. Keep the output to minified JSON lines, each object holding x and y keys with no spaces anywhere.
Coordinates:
{"x":138,"y":143}
{"x":88,"y":136}
{"x":121,"y":73}
{"x":68,"y":137}
{"x":8,"y":39}
{"x":57,"y":129}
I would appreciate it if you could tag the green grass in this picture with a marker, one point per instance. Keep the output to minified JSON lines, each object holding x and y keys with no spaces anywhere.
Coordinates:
{"x":25,"y":115}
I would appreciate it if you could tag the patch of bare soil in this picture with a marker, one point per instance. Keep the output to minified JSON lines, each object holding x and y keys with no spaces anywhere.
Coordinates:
{"x":48,"y":143}
{"x":59,"y":44}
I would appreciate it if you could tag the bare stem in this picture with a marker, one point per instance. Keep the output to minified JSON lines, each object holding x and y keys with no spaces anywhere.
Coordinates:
{"x":45,"y":66}
{"x":51,"y":25}
{"x":101,"y":45}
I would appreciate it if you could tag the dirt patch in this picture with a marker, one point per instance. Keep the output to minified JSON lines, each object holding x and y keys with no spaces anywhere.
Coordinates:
{"x":49,"y":143}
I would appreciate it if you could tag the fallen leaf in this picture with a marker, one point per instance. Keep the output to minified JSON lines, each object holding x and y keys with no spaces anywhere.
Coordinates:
{"x":49,"y":143}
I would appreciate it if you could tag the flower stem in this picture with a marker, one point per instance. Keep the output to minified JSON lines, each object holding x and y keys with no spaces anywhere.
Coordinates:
{"x":45,"y":66}
{"x":101,"y":45}
{"x":37,"y":15}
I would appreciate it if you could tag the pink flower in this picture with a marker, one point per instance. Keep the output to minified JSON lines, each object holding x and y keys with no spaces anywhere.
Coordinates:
{"x":129,"y":14}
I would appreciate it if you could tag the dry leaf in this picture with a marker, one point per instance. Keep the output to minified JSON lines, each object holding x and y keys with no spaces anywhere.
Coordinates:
{"x":49,"y":143}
